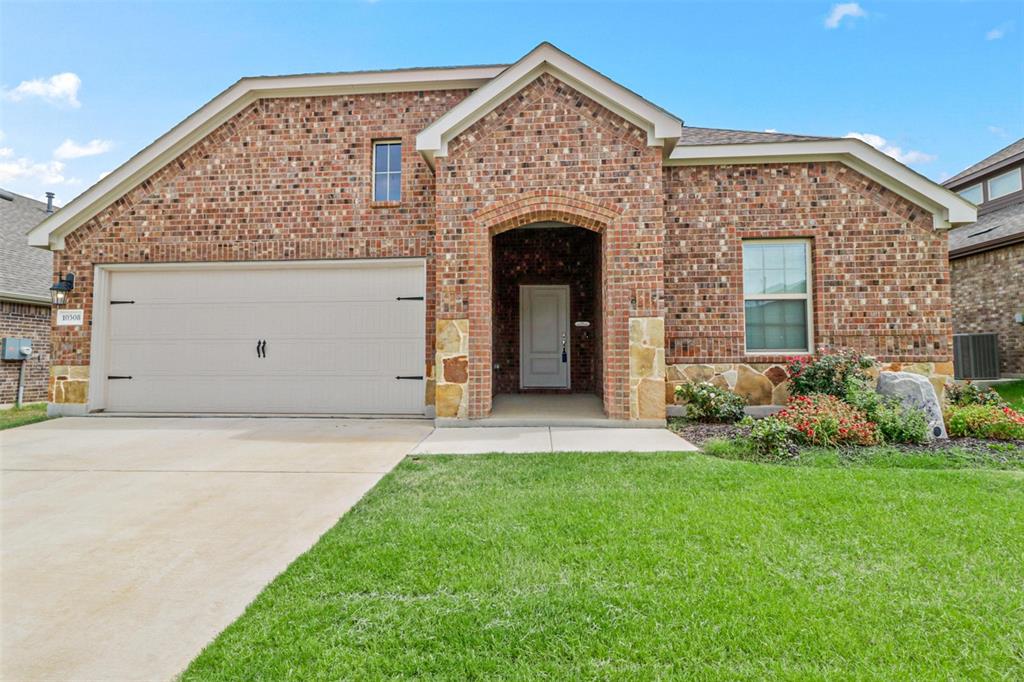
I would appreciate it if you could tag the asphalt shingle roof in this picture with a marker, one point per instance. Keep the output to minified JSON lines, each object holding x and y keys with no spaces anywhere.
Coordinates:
{"x":1001,"y":155}
{"x":696,"y":136}
{"x":24,"y":270}
{"x":998,"y":225}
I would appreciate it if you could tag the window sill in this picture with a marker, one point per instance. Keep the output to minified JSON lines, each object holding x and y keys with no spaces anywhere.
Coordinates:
{"x":385,"y":204}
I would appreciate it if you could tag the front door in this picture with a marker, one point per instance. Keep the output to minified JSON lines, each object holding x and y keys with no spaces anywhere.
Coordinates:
{"x":544,"y":336}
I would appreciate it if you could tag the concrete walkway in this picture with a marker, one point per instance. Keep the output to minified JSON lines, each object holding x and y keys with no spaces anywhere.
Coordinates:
{"x":480,"y":440}
{"x":127,"y":544}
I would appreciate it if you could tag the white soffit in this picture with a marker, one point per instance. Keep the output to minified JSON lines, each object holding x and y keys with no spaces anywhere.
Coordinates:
{"x":51,"y":232}
{"x":662,"y":128}
{"x":948,"y":208}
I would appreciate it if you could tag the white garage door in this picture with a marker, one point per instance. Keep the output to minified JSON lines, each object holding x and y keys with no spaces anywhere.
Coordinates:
{"x":328,"y":339}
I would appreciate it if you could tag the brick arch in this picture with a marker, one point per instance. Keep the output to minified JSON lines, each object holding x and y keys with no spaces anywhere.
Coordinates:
{"x":547,"y":205}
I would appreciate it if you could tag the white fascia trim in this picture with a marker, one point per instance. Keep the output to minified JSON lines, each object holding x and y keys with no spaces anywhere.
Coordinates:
{"x":51,"y":232}
{"x":662,"y":128}
{"x":31,"y":299}
{"x":948,"y":208}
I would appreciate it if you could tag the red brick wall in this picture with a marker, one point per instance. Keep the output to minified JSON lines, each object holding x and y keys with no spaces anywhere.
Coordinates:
{"x":988,"y":289}
{"x":568,"y":256}
{"x":283,"y":179}
{"x":551,"y":139}
{"x":28,"y":322}
{"x":881,"y":279}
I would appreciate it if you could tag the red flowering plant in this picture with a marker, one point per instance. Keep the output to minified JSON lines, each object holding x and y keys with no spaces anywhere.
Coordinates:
{"x":985,"y":421}
{"x":826,"y":420}
{"x":832,"y":372}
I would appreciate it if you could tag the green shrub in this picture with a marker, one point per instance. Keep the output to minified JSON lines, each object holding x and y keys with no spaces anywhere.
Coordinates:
{"x":962,"y":395}
{"x":771,"y":439}
{"x":826,"y":420}
{"x":708,"y":403}
{"x":831,"y":373}
{"x":985,"y":421}
{"x":897,"y":423}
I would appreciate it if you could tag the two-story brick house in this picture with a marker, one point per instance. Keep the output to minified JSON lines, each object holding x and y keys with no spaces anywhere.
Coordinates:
{"x":419,"y":241}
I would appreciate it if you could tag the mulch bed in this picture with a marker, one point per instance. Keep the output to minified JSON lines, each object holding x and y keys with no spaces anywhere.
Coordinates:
{"x":993,"y":450}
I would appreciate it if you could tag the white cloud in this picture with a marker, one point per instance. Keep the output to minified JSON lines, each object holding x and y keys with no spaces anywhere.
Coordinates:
{"x":49,"y":173}
{"x":103,"y":175}
{"x":61,"y":88}
{"x":770,"y":130}
{"x":910,"y":156}
{"x":69,"y":149}
{"x":6,"y":152}
{"x":999,"y":31}
{"x":998,"y":132}
{"x":841,"y":11}
{"x":2,"y":135}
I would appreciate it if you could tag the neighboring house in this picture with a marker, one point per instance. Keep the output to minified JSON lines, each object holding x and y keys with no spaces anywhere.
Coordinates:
{"x":25,"y":278}
{"x":987,"y":257}
{"x":355,"y":243}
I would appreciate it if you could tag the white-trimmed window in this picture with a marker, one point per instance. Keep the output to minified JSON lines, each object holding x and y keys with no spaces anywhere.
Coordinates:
{"x":777,"y":295}
{"x":972,"y":194}
{"x":387,"y":170}
{"x":1004,"y":184}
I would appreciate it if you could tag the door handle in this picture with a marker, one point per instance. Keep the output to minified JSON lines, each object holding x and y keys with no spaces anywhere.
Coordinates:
{"x":261,"y":348}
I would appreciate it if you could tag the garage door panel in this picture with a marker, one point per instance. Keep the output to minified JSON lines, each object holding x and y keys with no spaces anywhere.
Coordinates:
{"x":336,"y":339}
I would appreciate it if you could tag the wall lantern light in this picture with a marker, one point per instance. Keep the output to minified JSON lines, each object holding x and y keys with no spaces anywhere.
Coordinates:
{"x":59,"y":291}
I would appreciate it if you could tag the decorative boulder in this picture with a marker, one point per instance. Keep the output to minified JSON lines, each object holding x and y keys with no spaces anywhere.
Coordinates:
{"x":916,"y":391}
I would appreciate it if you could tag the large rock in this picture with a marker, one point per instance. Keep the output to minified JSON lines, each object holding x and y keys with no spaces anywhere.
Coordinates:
{"x":914,"y":390}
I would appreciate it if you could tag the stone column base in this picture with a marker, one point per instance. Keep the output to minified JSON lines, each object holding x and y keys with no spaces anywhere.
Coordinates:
{"x":451,"y":369}
{"x":646,"y":368}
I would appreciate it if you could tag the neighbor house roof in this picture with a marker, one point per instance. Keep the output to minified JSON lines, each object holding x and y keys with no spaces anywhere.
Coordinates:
{"x":1001,"y":227}
{"x":25,"y":272}
{"x":1005,"y":156}
{"x":493,"y":85}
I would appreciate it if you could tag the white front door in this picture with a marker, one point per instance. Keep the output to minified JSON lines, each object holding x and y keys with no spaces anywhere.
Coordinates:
{"x":544,"y":336}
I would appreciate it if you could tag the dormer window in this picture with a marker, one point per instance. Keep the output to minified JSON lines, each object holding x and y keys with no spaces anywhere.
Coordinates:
{"x":973,"y":194}
{"x":1004,"y":184}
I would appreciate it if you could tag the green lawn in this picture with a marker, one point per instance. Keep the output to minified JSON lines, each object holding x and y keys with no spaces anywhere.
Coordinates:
{"x":19,"y":416}
{"x":649,"y":566}
{"x":1013,"y":392}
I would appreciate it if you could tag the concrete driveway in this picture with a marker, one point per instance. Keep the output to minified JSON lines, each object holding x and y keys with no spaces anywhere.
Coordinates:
{"x":129,"y":543}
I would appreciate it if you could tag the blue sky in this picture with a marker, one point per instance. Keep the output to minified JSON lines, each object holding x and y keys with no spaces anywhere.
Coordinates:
{"x":86,"y":85}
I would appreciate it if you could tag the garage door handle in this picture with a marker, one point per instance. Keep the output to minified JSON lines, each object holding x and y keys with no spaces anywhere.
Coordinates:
{"x":261,"y":348}
{"x":115,"y":376}
{"x":419,"y":378}
{"x":408,"y":298}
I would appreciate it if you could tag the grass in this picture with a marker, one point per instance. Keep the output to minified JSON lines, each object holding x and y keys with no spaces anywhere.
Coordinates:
{"x":621,"y":566}
{"x":20,"y":416}
{"x":1013,"y":393}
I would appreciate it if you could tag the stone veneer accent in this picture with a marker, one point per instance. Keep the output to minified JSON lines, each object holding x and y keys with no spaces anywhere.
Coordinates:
{"x":451,"y":365}
{"x":768,"y":383}
{"x":69,"y":384}
{"x":646,"y":368}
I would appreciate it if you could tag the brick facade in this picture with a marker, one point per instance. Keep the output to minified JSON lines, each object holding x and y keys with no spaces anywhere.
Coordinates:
{"x":986,"y":297}
{"x":289,"y":178}
{"x":30,"y":322}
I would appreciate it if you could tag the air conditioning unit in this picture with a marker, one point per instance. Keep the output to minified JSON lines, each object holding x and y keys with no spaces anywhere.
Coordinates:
{"x":976,"y":356}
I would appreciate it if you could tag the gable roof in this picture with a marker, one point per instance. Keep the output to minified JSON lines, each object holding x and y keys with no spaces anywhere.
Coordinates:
{"x":25,"y":273}
{"x":51,"y":233}
{"x":1004,"y":156}
{"x":662,"y":127}
{"x":947,"y":208}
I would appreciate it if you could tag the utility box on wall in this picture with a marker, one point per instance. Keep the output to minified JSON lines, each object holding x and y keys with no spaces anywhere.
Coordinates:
{"x":16,"y":349}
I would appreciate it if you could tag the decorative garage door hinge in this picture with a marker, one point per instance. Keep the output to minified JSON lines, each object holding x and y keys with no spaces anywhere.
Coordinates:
{"x":117,"y":376}
{"x":408,"y":298}
{"x":121,"y":302}
{"x":419,"y":378}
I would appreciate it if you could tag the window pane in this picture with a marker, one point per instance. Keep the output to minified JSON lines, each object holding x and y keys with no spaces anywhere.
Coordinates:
{"x":776,"y":325}
{"x":394,"y":186}
{"x":380,"y":158}
{"x":1004,"y":184}
{"x":972,"y":194}
{"x":395,"y":152}
{"x":775,"y":268}
{"x":380,"y":187}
